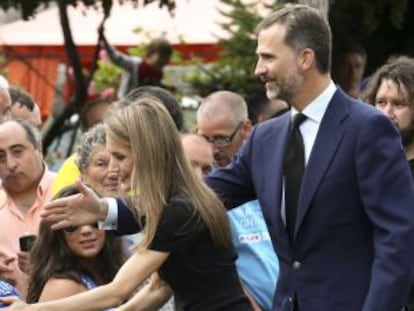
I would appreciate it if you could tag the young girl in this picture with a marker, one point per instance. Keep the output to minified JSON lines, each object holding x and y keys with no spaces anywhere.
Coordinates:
{"x":186,"y":233}
{"x":73,"y":260}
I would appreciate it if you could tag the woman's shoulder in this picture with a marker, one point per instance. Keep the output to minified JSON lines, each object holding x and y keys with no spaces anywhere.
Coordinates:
{"x":56,"y":288}
{"x":179,"y":197}
{"x":181,"y":203}
{"x":180,"y":211}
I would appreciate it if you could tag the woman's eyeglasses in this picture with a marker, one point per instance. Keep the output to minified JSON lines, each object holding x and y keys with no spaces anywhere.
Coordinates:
{"x":72,"y":229}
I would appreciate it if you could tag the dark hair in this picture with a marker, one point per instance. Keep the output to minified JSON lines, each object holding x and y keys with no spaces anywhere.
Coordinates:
{"x":399,"y":70}
{"x":18,"y":95}
{"x":348,"y":48}
{"x":51,"y":257}
{"x":160,"y":46}
{"x":87,"y":108}
{"x":305,"y":28}
{"x":161,"y":95}
{"x":257,"y":104}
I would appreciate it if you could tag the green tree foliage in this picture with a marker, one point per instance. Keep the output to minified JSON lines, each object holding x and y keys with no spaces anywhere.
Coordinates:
{"x":234,"y":70}
{"x":383,"y":27}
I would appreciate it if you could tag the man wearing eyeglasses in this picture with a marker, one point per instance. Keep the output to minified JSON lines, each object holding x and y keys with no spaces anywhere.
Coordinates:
{"x":222,"y":119}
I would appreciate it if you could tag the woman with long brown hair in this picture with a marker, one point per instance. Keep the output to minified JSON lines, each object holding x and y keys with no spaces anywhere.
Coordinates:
{"x":186,"y":233}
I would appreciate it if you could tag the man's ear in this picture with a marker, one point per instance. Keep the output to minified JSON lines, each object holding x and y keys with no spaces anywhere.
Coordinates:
{"x":40,"y":147}
{"x":306,"y":59}
{"x":247,"y":128}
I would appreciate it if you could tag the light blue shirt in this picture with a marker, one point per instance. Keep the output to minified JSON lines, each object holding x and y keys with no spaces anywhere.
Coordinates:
{"x":257,"y":263}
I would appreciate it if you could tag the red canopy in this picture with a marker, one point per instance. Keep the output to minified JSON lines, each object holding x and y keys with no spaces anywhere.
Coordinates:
{"x":34,"y":49}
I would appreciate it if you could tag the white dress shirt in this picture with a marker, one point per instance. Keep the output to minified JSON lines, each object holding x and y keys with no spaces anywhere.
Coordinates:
{"x":309,"y":128}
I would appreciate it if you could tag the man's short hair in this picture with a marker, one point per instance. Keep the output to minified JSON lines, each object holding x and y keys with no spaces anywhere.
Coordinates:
{"x":306,"y":27}
{"x":18,"y":95}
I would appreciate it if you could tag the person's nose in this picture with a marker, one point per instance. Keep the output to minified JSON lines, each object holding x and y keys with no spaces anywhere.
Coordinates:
{"x":113,"y":166}
{"x":11,"y":163}
{"x":113,"y":174}
{"x":86,"y":230}
{"x":388,"y":110}
{"x":216,"y":149}
{"x":260,"y":69}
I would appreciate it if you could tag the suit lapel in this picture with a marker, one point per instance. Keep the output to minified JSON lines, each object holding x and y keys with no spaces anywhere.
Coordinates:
{"x":327,"y":141}
{"x":273,"y":150}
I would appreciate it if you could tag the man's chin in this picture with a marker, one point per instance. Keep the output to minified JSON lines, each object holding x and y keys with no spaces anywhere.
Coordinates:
{"x":272,"y":94}
{"x":221,"y":162}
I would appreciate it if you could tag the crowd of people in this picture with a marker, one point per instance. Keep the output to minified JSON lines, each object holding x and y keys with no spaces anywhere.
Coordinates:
{"x":299,"y":200}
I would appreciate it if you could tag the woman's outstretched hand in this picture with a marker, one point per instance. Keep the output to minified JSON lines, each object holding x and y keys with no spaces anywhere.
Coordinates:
{"x":75,"y":210}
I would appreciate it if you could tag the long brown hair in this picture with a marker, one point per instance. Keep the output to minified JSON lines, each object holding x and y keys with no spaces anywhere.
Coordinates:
{"x":161,"y":168}
{"x":51,"y":257}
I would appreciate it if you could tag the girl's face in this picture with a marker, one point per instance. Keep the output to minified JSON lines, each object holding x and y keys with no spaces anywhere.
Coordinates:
{"x":99,"y":175}
{"x":86,"y":241}
{"x":121,"y":161}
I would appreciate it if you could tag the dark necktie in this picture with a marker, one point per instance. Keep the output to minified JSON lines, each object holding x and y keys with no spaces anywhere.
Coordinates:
{"x":293,"y":168}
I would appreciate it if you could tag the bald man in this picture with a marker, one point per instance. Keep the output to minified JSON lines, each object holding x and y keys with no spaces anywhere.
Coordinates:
{"x":199,"y":153}
{"x":222,"y":119}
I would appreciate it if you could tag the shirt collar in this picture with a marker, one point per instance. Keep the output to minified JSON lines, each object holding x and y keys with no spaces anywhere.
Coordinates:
{"x":316,"y":108}
{"x":46,"y":181}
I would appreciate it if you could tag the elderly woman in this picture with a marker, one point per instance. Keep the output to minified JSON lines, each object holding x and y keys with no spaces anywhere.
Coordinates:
{"x":93,"y":162}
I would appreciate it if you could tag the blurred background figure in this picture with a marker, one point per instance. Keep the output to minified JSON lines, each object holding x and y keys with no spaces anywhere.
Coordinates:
{"x":260,"y":108}
{"x":74,"y":260}
{"x":4,"y":82}
{"x":199,"y":153}
{"x":5,"y":101}
{"x":24,"y":107}
{"x":140,"y":71}
{"x":348,"y":67}
{"x":93,"y":112}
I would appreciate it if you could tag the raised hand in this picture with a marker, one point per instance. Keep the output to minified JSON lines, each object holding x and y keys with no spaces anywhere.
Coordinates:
{"x":79,"y":209}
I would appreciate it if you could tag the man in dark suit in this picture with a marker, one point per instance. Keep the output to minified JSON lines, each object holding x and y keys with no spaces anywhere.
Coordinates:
{"x":350,"y":242}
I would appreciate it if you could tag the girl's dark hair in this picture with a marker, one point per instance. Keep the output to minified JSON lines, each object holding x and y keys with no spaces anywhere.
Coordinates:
{"x":51,"y":257}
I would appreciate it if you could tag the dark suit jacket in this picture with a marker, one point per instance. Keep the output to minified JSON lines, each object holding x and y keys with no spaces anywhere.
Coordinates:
{"x":354,"y":240}
{"x":354,"y":237}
